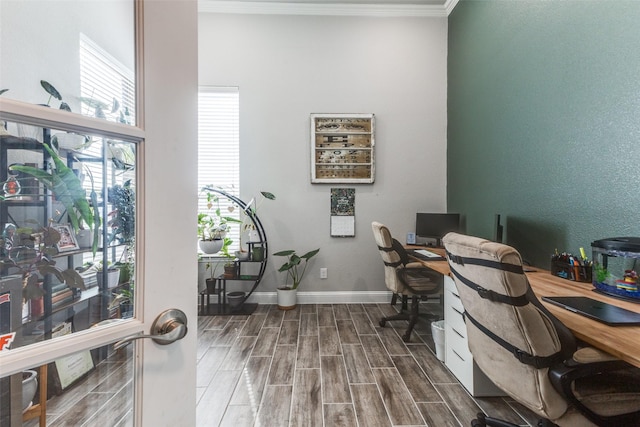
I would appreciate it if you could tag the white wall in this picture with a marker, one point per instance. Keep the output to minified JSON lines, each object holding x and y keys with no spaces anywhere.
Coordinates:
{"x":290,"y":66}
{"x":40,"y":40}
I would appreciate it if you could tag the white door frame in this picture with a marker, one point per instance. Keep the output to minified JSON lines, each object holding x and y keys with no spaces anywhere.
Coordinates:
{"x":165,"y":386}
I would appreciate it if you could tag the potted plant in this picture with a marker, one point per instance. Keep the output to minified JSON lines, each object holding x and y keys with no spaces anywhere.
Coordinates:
{"x":113,"y":275}
{"x":287,"y":294}
{"x":212,"y":266}
{"x":30,"y":251}
{"x":102,"y":110}
{"x":229,"y":264}
{"x":212,"y":226}
{"x":89,"y":237}
{"x":126,"y":305}
{"x":122,"y":221}
{"x":211,"y":280}
{"x":123,"y":299}
{"x":211,"y":236}
{"x":249,"y":232}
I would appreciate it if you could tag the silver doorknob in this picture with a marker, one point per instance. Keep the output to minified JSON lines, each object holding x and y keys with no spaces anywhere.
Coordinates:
{"x":169,"y":326}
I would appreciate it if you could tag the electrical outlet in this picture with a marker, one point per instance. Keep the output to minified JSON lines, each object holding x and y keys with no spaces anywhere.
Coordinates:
{"x":323,"y":273}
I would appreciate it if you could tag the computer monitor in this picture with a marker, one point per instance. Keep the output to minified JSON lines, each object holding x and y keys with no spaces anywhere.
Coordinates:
{"x":498,"y":230}
{"x":432,"y":227}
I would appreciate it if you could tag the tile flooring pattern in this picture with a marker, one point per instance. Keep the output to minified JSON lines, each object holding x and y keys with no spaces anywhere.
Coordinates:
{"x":102,"y":398}
{"x":329,"y":365}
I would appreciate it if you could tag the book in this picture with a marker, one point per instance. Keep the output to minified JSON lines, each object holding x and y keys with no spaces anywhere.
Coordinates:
{"x":62,"y":295}
{"x":58,"y":287}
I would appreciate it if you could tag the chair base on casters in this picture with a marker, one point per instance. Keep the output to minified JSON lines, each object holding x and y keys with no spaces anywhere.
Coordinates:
{"x":412,"y":317}
{"x":394,"y":299}
{"x":483,"y":421}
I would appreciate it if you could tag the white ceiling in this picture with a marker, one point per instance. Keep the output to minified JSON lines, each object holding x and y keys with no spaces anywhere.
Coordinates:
{"x":331,"y":7}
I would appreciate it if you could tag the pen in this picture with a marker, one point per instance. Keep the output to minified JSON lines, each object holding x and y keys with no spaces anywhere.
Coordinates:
{"x":583,"y":254}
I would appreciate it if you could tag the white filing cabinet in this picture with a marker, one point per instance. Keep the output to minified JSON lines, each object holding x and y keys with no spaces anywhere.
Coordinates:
{"x":458,"y":358}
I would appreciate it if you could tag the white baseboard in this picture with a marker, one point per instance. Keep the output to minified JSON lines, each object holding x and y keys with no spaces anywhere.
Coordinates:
{"x":336,"y":297}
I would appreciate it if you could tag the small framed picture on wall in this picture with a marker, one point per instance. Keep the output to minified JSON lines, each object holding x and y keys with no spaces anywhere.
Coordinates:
{"x":67,"y":240}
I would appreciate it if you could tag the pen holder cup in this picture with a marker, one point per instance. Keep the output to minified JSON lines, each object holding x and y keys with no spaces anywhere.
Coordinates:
{"x":577,"y":273}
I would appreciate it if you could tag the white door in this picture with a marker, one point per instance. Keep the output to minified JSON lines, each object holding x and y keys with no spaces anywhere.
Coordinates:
{"x":166,"y":267}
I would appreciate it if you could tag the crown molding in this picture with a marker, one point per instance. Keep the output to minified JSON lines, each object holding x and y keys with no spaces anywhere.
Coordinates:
{"x":326,"y":9}
{"x":450,"y":5}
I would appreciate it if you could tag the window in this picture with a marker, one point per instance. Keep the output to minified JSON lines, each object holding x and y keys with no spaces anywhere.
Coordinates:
{"x":219,"y":148}
{"x":107,"y":88}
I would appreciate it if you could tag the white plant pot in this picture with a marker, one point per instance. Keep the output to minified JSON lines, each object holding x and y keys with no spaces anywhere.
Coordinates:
{"x":210,"y":247}
{"x":84,"y":238}
{"x":287,"y":298}
{"x":29,"y":386}
{"x":113,"y":276}
{"x":70,"y":141}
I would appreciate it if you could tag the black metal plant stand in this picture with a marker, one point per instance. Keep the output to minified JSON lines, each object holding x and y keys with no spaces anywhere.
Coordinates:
{"x":242,"y":307}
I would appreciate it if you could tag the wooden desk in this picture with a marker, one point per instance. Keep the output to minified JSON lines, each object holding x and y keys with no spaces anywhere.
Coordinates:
{"x":622,"y":342}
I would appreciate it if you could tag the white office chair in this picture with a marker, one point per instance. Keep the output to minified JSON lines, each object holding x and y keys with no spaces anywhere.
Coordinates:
{"x":404,"y":278}
{"x":529,"y":353}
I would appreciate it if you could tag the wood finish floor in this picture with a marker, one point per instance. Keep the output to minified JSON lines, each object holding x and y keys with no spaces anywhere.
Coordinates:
{"x":103,"y":398}
{"x":315,"y":366}
{"x":330,"y":365}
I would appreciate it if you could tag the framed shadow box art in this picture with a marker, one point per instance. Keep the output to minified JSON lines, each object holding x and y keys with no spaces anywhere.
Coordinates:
{"x":342,"y":148}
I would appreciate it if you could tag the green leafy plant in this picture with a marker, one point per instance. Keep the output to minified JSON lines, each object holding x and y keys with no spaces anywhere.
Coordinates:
{"x":212,"y":225}
{"x":253,"y":205}
{"x":225,"y":251}
{"x":601,"y":273}
{"x":99,"y":266}
{"x":30,"y":251}
{"x":251,"y":209}
{"x":102,"y":110}
{"x":97,"y":221}
{"x":293,"y":264}
{"x":122,"y":218}
{"x":53,"y":93}
{"x":66,"y":186}
{"x":124,"y":297}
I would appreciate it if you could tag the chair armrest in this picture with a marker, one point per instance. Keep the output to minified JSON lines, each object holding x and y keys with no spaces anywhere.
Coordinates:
{"x":420,"y":280}
{"x":415,"y":265}
{"x":564,"y":375}
{"x":591,"y":355}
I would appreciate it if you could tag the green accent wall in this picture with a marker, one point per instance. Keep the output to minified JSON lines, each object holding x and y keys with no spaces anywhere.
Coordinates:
{"x":544,"y":121}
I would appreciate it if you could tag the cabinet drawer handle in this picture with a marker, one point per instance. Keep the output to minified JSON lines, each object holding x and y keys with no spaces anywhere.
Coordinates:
{"x":461,"y":336}
{"x":456,"y":353}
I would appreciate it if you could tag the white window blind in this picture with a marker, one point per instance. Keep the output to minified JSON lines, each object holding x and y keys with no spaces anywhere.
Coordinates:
{"x":104,"y":79}
{"x":219,"y":149}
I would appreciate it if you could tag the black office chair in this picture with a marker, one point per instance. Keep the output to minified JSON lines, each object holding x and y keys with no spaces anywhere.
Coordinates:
{"x":405,"y":278}
{"x":529,"y":353}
